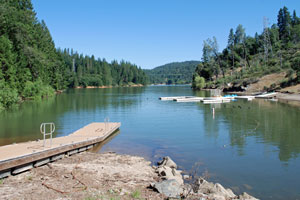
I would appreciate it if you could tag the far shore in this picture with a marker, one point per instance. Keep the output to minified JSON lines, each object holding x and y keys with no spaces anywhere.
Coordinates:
{"x":109,"y":86}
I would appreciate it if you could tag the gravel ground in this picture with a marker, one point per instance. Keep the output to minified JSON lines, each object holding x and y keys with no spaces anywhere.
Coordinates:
{"x":85,"y":176}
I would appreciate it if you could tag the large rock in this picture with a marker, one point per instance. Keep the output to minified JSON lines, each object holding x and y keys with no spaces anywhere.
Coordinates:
{"x":167,"y":161}
{"x":220,"y":190}
{"x":246,"y":196}
{"x":170,"y":188}
{"x":170,"y":173}
{"x":216,"y":191}
{"x":216,"y":197}
{"x":202,"y":186}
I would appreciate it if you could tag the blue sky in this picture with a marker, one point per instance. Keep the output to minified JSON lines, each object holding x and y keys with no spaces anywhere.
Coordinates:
{"x":152,"y":33}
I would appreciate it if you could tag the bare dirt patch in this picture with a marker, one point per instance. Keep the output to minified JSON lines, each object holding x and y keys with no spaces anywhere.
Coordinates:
{"x":85,"y":176}
{"x":295,"y":89}
{"x":266,"y":82}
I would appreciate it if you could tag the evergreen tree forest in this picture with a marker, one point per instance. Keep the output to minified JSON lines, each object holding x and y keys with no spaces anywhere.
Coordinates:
{"x":32,"y":67}
{"x":246,"y":58}
{"x":173,"y":73}
{"x":83,"y":71}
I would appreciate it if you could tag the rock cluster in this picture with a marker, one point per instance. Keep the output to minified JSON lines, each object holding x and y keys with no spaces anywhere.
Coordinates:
{"x":173,"y":186}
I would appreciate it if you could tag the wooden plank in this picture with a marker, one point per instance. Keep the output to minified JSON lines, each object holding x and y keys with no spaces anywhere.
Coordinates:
{"x":41,"y":162}
{"x":5,"y":174}
{"x":22,"y":168}
{"x":57,"y":157}
{"x":82,"y":149}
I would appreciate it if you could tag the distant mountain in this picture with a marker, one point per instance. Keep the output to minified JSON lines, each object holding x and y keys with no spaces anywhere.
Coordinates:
{"x":173,"y":73}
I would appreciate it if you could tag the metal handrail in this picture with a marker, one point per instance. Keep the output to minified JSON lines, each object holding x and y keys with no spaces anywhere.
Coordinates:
{"x":43,"y":131}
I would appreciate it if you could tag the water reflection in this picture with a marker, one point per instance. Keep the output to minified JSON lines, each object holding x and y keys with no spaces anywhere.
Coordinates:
{"x":268,"y":122}
{"x":245,"y":144}
{"x":75,"y":106}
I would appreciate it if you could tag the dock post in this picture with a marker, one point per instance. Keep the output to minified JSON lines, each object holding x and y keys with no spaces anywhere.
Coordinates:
{"x":106,"y":120}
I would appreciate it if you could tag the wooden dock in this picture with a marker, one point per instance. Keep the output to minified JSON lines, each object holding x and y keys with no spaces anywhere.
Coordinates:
{"x":16,"y":158}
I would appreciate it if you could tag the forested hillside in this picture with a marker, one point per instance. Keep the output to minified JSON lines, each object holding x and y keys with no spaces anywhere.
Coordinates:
{"x":246,"y":58}
{"x":32,"y":67}
{"x":89,"y":71}
{"x":173,"y":73}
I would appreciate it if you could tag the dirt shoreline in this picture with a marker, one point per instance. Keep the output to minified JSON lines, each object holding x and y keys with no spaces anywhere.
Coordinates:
{"x":92,"y":176}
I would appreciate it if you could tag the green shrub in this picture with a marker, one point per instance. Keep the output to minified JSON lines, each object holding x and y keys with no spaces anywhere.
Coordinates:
{"x":8,"y":96}
{"x":37,"y":90}
{"x":199,"y":82}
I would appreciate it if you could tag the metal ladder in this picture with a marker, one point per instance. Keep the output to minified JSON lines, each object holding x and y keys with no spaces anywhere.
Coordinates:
{"x":43,"y":129}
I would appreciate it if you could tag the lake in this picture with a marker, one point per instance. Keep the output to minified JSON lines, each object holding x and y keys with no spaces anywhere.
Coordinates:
{"x":247,"y":146}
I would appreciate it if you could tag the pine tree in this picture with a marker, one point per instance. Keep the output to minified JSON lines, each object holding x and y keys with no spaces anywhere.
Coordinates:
{"x":230,"y":45}
{"x":295,"y":19}
{"x":239,"y":34}
{"x":284,"y":24}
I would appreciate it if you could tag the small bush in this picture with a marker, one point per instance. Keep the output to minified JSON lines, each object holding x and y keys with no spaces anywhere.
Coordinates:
{"x":37,"y":90}
{"x":8,"y":96}
{"x":136,"y":194}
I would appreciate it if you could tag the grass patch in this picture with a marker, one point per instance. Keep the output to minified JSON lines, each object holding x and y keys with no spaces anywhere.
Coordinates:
{"x":136,"y":194}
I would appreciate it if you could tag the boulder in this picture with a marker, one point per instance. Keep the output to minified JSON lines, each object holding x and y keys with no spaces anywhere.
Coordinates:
{"x":170,"y":173}
{"x":246,"y":196}
{"x":216,"y":197}
{"x":220,"y":190}
{"x":216,"y":190}
{"x":170,"y":188}
{"x":202,"y":186}
{"x":167,"y":161}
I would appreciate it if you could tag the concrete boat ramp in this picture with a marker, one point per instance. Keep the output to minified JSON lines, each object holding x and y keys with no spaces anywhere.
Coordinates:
{"x":16,"y":158}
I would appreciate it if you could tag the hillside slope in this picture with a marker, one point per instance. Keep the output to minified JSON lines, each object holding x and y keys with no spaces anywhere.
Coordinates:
{"x":173,"y":73}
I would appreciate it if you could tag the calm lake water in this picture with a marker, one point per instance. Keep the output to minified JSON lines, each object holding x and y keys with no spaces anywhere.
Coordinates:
{"x":247,"y":146}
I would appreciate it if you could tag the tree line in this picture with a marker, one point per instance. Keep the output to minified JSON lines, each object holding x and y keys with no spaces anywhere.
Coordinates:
{"x":173,"y":73}
{"x":86,"y":71}
{"x":246,"y":58}
{"x":32,"y":67}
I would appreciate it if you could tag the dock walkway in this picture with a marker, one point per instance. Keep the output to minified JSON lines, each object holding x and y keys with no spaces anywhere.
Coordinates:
{"x":19,"y":157}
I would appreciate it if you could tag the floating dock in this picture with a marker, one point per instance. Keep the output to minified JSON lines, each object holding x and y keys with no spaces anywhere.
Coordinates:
{"x":174,"y":98}
{"x":218,"y":100}
{"x":191,"y":99}
{"x":266,"y":96}
{"x":249,"y":98}
{"x":16,"y":158}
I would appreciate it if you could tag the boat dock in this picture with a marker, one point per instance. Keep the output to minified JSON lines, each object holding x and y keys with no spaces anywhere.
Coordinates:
{"x":174,"y":98}
{"x":212,"y":101}
{"x":218,"y":99}
{"x":266,"y":96}
{"x":189,"y":99}
{"x":16,"y":158}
